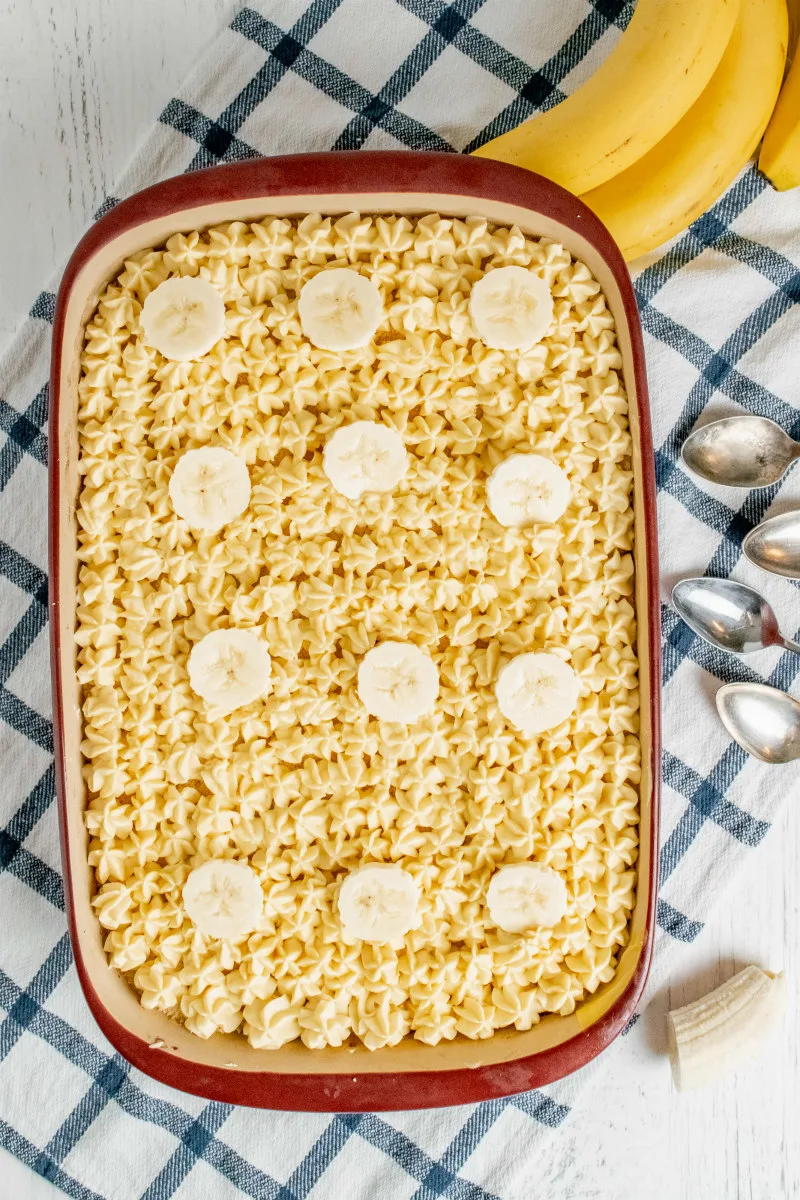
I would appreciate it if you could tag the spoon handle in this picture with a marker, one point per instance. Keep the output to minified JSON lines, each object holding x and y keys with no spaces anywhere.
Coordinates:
{"x":788,"y":644}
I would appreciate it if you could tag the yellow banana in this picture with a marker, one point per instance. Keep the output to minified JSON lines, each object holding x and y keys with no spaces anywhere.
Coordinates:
{"x":652,"y":77}
{"x":780,"y":150}
{"x":794,"y":27}
{"x":689,"y":169}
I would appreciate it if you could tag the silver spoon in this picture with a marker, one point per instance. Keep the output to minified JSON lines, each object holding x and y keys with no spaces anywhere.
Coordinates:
{"x":729,"y":615}
{"x":775,"y":545}
{"x":746,"y":451}
{"x":763,"y":720}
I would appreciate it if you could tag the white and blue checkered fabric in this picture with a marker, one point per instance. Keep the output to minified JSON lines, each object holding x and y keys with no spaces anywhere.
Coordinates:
{"x":721,"y":313}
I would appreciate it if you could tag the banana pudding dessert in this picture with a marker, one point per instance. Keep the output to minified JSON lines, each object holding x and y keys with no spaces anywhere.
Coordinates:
{"x":356,"y":629}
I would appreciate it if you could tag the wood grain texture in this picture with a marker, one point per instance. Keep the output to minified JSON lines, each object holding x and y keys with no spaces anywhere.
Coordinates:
{"x":81,"y":81}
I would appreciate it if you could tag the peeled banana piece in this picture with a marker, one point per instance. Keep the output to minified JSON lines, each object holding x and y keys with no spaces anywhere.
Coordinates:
{"x":653,"y":76}
{"x":726,"y":1028}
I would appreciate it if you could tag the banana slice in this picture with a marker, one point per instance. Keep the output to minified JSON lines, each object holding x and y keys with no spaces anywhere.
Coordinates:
{"x":526,"y":895}
{"x":209,"y":487}
{"x":223,"y":898}
{"x":511,"y":308}
{"x":229,"y":668}
{"x":724,"y":1029}
{"x":339,"y":309}
{"x":364,"y":457}
{"x":536,"y":691}
{"x":183,"y":317}
{"x":397,"y":682}
{"x":378,"y":903}
{"x":527,"y":489}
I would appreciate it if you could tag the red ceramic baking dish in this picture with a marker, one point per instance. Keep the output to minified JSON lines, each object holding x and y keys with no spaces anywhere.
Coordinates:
{"x":410,"y":1075}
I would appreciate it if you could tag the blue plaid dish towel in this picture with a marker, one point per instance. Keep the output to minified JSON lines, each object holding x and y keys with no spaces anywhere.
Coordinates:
{"x":720,"y":307}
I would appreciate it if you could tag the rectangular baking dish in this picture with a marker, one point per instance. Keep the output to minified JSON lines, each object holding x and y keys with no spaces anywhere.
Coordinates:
{"x":409,"y":1075}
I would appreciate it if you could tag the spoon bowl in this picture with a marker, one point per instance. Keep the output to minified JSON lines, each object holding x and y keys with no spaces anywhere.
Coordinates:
{"x":745,"y":452}
{"x":729,"y":615}
{"x":774,"y":545}
{"x":763,"y":720}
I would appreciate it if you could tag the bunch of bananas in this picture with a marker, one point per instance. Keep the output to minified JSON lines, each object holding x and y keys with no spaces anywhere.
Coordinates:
{"x":671,"y":117}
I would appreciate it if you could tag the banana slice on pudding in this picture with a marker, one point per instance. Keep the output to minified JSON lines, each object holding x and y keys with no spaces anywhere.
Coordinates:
{"x":223,"y":898}
{"x":183,"y":317}
{"x":209,"y":487}
{"x":511,"y":308}
{"x":230,"y":668}
{"x":340,"y":309}
{"x":536,"y":692}
{"x":378,"y":902}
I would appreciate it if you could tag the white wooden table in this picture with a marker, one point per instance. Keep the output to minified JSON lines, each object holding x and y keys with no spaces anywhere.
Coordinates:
{"x":81,"y":81}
